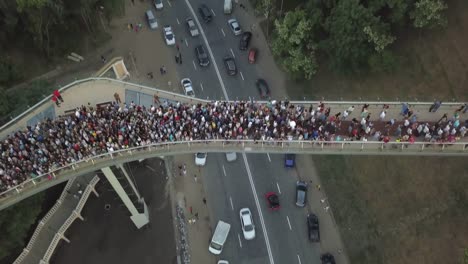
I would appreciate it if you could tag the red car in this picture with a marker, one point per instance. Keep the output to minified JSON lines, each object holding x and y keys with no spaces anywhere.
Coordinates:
{"x":252,"y":55}
{"x":273,"y":201}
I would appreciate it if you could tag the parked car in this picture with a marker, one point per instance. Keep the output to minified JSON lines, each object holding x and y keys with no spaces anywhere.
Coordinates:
{"x":169,"y":35}
{"x":327,"y":258}
{"x":301,"y":193}
{"x":230,"y":64}
{"x":200,"y":159}
{"x":313,"y":228}
{"x":245,"y":40}
{"x":192,"y":27}
{"x":186,"y":84}
{"x":273,"y":201}
{"x":248,"y":227}
{"x":231,"y":156}
{"x":223,"y":262}
{"x":262,"y":88}
{"x":252,"y":55}
{"x":202,"y":56}
{"x":289,"y":160}
{"x":158,"y":4}
{"x":234,"y":26}
{"x":153,"y":24}
{"x":205,"y":13}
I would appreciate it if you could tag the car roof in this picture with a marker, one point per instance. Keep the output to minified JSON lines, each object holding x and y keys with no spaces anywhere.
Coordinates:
{"x":245,"y":213}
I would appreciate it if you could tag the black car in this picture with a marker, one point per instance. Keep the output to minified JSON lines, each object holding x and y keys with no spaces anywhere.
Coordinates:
{"x":202,"y":56}
{"x":230,"y":64}
{"x":327,"y":258}
{"x":244,"y":41}
{"x":313,"y":228}
{"x":205,"y":13}
{"x":263,"y":88}
{"x":301,"y":193}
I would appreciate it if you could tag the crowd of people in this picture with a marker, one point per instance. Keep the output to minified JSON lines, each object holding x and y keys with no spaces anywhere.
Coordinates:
{"x":89,"y":131}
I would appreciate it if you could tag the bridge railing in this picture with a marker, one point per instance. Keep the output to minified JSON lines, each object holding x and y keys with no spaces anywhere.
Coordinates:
{"x":171,"y":148}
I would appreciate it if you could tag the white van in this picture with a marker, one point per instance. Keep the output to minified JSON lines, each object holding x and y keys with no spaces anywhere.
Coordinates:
{"x":153,"y":24}
{"x":219,"y":237}
{"x":227,"y":7}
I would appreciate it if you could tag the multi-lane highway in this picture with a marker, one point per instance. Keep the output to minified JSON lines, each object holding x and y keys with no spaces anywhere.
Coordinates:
{"x":281,"y":236}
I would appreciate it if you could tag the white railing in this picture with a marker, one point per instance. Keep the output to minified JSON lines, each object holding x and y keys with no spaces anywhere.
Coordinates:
{"x":21,"y":257}
{"x":51,"y":249}
{"x":306,"y":147}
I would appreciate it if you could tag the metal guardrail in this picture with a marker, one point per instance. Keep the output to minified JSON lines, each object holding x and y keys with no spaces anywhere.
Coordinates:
{"x":250,"y":146}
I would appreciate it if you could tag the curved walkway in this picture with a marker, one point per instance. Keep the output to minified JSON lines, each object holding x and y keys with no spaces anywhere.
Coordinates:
{"x":101,"y":91}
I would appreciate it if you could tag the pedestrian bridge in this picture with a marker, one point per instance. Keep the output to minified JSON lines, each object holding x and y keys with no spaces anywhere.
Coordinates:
{"x":98,"y":90}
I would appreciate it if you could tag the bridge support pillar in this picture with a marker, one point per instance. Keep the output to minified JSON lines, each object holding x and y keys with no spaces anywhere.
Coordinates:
{"x":130,"y":182}
{"x":140,"y":219}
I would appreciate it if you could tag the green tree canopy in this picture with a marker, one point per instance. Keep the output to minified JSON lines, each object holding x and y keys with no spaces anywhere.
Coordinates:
{"x":429,"y":13}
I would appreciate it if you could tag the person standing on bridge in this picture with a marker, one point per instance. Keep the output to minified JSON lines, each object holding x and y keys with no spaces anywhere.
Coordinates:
{"x":58,"y":95}
{"x":435,"y":106}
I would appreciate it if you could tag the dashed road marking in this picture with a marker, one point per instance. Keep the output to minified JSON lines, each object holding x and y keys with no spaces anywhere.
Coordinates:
{"x":242,"y":76}
{"x":232,"y":205}
{"x":240,"y":241}
{"x":222,"y":31}
{"x":299,"y":259}
{"x":214,"y":14}
{"x":201,"y":85}
{"x":279,"y":190}
{"x":194,"y":65}
{"x":224,"y":171}
{"x":289,"y":223}
{"x":268,"y":155}
{"x":169,"y":3}
{"x":232,"y":52}
{"x":178,"y":22}
{"x":186,"y":42}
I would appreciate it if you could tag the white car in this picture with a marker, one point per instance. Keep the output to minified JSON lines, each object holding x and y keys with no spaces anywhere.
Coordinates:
{"x":186,"y":84}
{"x":223,"y":262}
{"x":247,"y":224}
{"x":169,"y":35}
{"x":158,"y":4}
{"x":200,"y":159}
{"x":234,"y":25}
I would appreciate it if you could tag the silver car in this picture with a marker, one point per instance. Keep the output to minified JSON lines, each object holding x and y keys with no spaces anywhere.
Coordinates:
{"x":301,"y":193}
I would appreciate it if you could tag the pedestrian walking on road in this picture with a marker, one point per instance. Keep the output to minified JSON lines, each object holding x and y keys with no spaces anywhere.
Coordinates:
{"x":58,"y":95}
{"x":176,"y":59}
{"x":117,"y":98}
{"x":435,"y":106}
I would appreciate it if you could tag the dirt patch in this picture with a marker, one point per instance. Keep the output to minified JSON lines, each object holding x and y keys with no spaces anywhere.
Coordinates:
{"x":433,"y":65}
{"x":400,"y":209}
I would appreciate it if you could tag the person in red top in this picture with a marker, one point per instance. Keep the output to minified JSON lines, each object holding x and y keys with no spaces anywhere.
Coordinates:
{"x":55,"y":100}
{"x":58,"y":95}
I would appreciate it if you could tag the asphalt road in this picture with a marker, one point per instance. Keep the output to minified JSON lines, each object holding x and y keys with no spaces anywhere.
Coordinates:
{"x":232,"y":186}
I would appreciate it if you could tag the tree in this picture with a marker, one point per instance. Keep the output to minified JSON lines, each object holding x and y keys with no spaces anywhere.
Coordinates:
{"x":465,"y":256}
{"x":266,"y":8}
{"x":429,"y":13}
{"x":294,"y":43}
{"x":380,"y":39}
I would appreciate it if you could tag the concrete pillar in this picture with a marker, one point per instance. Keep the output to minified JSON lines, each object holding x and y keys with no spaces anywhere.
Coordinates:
{"x":138,"y":219}
{"x":78,"y":215}
{"x":62,"y":236}
{"x":130,"y":182}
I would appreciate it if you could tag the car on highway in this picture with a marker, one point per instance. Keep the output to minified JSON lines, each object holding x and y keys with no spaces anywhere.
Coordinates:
{"x":205,"y":13}
{"x":327,"y":258}
{"x":192,"y":27}
{"x":158,"y":4}
{"x":200,"y":159}
{"x":248,"y":227}
{"x":169,"y":35}
{"x":245,"y":40}
{"x":289,"y":160}
{"x":186,"y":84}
{"x":230,"y":64}
{"x":272,"y":201}
{"x":202,"y":56}
{"x":252,"y":55}
{"x":313,"y":228}
{"x":153,"y":24}
{"x":262,"y":88}
{"x":234,"y":26}
{"x":301,"y":193}
{"x":231,"y":156}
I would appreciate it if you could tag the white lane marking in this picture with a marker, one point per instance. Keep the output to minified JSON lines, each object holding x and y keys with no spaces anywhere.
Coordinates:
{"x":289,"y":223}
{"x":232,"y":52}
{"x":213,"y":12}
{"x":242,"y":75}
{"x":178,"y":22}
{"x":222,"y":31}
{"x":240,"y":241}
{"x":257,"y":203}
{"x":299,"y":259}
{"x":201,"y":85}
{"x":268,"y":155}
{"x":186,"y":42}
{"x":209,"y":50}
{"x":169,"y":3}
{"x":194,"y":65}
{"x":224,"y":171}
{"x":232,"y":205}
{"x":150,"y":168}
{"x":279,"y":190}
